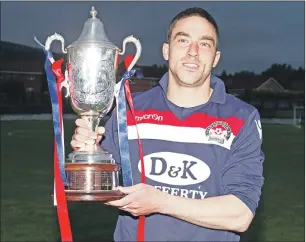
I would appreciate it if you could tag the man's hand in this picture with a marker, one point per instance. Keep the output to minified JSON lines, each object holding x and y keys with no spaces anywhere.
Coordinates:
{"x":84,"y":139}
{"x":141,"y":199}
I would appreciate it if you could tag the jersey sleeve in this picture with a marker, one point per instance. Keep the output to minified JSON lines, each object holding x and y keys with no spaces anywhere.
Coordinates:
{"x":110,"y":140}
{"x":242,"y":174}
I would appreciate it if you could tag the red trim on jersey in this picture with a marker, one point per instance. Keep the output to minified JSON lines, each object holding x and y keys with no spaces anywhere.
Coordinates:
{"x":199,"y":120}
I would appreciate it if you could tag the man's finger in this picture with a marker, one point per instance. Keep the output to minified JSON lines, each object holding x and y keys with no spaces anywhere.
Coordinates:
{"x":86,"y":132}
{"x":82,"y":123}
{"x":130,"y":189}
{"x":99,"y":139}
{"x":84,"y":139}
{"x":125,"y":201}
{"x":132,"y":211}
{"x":76,"y":144}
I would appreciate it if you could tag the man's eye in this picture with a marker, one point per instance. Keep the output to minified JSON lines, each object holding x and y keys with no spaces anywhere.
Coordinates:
{"x":205,"y":44}
{"x":183,"y":41}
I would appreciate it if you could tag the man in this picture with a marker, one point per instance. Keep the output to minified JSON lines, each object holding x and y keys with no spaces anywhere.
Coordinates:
{"x":202,"y":147}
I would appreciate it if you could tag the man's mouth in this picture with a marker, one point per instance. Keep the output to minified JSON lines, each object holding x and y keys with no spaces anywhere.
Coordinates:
{"x":190,"y":66}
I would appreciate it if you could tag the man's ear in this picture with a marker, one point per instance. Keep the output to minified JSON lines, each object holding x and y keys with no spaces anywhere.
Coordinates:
{"x":166,"y":51}
{"x":217,"y":58}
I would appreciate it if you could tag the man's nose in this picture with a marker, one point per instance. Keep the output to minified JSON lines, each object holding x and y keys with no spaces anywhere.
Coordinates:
{"x":193,"y":50}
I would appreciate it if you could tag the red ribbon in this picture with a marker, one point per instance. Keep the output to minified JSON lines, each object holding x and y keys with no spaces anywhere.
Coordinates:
{"x":62,"y":210}
{"x":141,"y":221}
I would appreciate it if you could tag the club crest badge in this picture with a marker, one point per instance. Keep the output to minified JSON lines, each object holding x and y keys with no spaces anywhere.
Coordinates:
{"x":218,"y":131}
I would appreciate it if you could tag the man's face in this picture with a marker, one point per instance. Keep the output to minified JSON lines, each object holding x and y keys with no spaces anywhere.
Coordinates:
{"x":192,"y":51}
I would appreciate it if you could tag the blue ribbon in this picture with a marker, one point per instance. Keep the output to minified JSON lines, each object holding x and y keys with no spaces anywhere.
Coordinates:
{"x":126,"y":169}
{"x":55,"y":113}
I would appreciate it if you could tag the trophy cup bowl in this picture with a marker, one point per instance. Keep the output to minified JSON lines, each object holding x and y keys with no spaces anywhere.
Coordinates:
{"x":90,"y":80}
{"x":92,"y":175}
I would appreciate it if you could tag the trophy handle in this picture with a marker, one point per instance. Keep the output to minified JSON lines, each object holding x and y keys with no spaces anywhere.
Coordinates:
{"x":50,"y":39}
{"x":138,"y":50}
{"x":55,"y":37}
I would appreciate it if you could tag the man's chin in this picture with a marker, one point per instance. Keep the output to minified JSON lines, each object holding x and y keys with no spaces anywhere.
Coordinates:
{"x":189,"y":82}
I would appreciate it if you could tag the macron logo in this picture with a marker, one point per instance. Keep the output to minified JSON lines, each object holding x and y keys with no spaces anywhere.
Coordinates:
{"x":149,"y":117}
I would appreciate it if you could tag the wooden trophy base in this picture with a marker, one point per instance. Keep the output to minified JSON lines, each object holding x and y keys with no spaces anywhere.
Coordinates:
{"x":104,"y":196}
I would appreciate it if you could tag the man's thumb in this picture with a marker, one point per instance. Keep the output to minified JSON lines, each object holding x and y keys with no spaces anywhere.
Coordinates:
{"x":100,"y":130}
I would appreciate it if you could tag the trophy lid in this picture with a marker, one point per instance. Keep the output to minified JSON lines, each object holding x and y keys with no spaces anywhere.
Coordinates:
{"x":93,"y":32}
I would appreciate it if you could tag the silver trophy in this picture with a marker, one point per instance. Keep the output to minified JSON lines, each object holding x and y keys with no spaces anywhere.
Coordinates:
{"x":90,"y":80}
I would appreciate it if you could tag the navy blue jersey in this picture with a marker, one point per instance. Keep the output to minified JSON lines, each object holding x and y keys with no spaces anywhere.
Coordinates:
{"x":209,"y":150}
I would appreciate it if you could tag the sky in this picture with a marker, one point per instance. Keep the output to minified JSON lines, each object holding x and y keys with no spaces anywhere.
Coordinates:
{"x":253,"y":35}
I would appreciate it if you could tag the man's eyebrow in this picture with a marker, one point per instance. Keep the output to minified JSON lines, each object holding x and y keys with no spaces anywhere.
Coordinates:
{"x":181,"y":33}
{"x":206,"y":37}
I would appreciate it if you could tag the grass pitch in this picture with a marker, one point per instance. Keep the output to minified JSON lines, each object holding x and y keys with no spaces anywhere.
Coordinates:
{"x":28,"y":214}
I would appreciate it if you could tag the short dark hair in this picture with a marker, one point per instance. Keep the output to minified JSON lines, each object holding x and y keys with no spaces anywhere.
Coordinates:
{"x":189,"y":12}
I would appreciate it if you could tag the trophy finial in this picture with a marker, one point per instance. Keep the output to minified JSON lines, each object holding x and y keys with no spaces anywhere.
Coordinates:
{"x":93,"y":12}
{"x":93,"y":32}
